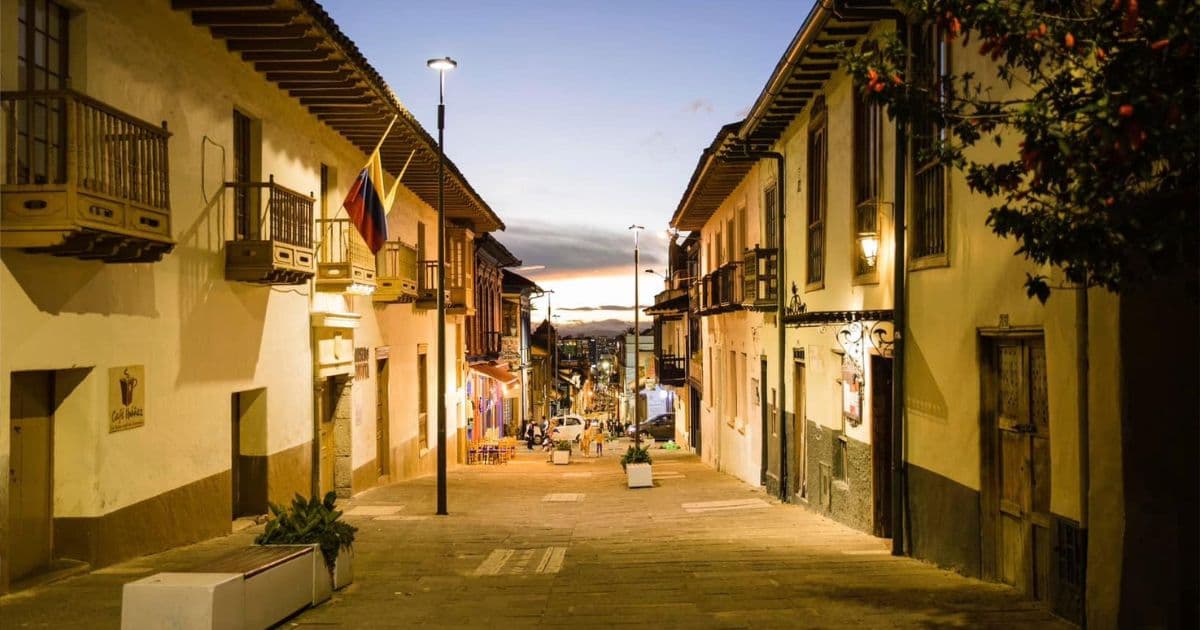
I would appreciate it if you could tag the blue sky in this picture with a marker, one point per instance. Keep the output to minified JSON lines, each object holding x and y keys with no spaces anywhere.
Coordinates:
{"x":575,"y":119}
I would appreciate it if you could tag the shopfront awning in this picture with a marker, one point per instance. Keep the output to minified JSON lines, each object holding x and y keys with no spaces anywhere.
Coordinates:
{"x":499,"y":373}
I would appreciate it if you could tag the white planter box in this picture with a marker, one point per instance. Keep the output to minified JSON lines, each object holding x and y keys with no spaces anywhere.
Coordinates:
{"x":638,"y":476}
{"x":187,"y":601}
{"x":274,"y":594}
{"x":323,"y":582}
{"x":561,"y":458}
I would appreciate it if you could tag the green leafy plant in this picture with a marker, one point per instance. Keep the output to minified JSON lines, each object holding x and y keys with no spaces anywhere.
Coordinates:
{"x":562,"y":445}
{"x":635,"y":455}
{"x":309,"y":521}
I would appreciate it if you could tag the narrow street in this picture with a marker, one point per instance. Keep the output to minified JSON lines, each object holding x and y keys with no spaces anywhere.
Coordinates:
{"x":529,"y":544}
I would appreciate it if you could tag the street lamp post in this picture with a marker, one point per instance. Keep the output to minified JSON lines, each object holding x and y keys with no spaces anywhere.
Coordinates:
{"x":552,"y":349}
{"x":442,"y":65}
{"x":637,"y":342}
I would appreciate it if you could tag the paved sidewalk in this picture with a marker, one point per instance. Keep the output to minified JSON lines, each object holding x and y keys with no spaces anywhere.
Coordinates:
{"x":528,"y":544}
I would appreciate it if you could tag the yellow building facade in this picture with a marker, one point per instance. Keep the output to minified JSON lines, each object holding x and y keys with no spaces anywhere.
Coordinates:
{"x":174,"y":352}
{"x":941,"y":407}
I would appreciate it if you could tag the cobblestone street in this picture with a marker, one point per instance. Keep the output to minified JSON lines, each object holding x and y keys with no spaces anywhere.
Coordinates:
{"x":529,"y":544}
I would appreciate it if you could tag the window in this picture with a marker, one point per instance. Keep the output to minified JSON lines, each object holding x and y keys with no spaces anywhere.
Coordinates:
{"x":511,"y":319}
{"x":817,"y":143}
{"x":420,"y":241}
{"x":742,"y":237}
{"x":744,"y":375}
{"x":242,"y":215}
{"x":770,"y":214}
{"x":731,"y":253}
{"x":868,"y":171}
{"x":732,"y":386}
{"x":422,"y":399}
{"x":42,"y":63}
{"x":928,"y":219}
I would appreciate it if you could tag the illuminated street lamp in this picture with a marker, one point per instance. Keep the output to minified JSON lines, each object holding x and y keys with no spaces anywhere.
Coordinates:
{"x":637,"y":341}
{"x":442,"y":65}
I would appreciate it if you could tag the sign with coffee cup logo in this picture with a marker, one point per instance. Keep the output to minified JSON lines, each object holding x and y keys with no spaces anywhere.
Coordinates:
{"x":126,"y":397}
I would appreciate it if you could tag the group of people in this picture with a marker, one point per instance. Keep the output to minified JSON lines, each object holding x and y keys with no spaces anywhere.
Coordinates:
{"x":592,"y":439}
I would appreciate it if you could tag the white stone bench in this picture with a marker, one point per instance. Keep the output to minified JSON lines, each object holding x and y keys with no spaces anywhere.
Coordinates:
{"x":252,"y":588}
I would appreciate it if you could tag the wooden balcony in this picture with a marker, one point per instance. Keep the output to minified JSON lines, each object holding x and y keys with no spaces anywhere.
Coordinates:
{"x":760,"y":278}
{"x":722,"y":290}
{"x":460,"y":275}
{"x":396,"y":280}
{"x":344,"y":262}
{"x":83,"y":179}
{"x":272,"y":234}
{"x":672,"y":369}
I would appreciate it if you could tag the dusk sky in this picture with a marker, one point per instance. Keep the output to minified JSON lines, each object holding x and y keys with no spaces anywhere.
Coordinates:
{"x":576,"y":119}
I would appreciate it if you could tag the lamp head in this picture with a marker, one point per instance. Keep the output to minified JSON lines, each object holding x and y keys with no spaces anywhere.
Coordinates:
{"x":870,"y":248}
{"x":442,"y":64}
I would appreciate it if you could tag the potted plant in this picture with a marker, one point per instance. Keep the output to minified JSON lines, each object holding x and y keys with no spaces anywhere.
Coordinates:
{"x":636,"y":462}
{"x":562,"y":452}
{"x":313,"y":522}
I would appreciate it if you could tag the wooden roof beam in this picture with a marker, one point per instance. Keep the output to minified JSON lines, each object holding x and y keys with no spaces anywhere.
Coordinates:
{"x":220,"y":17}
{"x":285,"y":55}
{"x":282,"y":43}
{"x":184,"y":5}
{"x":326,"y":65}
{"x":259,"y":32}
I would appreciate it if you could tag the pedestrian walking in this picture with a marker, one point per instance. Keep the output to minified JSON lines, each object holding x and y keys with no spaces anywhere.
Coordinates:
{"x":585,"y":441}
{"x":529,"y":435}
{"x":600,"y":442}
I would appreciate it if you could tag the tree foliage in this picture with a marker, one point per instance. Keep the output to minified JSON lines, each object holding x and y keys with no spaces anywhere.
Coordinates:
{"x":1102,"y":101}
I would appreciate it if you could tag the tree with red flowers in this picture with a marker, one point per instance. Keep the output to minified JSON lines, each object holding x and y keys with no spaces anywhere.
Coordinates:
{"x":1103,"y":100}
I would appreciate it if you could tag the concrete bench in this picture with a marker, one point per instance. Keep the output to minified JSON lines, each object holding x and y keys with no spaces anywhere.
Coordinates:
{"x":251,"y":588}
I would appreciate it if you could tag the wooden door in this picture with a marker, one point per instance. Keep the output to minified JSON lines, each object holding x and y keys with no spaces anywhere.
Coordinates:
{"x":799,"y":435}
{"x":331,"y":394}
{"x":1022,"y":466}
{"x":765,"y":410}
{"x":235,"y":455}
{"x":383,"y":442}
{"x":881,"y":445}
{"x":30,"y":482}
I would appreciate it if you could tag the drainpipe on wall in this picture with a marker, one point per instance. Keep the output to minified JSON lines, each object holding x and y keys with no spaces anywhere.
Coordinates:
{"x":899,"y":322}
{"x":1082,"y":367}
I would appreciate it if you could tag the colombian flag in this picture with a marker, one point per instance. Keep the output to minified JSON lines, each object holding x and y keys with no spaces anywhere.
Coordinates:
{"x":367,"y":204}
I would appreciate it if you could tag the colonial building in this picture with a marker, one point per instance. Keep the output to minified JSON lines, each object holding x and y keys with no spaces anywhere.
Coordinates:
{"x":677,"y":338}
{"x":926,"y":397}
{"x":516,"y":338}
{"x":490,"y":382}
{"x":191,"y":327}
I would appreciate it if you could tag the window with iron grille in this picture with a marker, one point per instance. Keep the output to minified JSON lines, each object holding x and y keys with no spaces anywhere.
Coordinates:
{"x":817,"y":154}
{"x":868,"y":170}
{"x":770,"y":211}
{"x":41,"y":66}
{"x":928,"y":218}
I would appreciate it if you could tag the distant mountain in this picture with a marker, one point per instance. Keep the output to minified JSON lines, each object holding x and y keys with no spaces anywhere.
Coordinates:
{"x":600,"y":328}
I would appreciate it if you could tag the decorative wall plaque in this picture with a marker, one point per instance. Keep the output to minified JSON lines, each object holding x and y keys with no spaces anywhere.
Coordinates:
{"x":126,"y":397}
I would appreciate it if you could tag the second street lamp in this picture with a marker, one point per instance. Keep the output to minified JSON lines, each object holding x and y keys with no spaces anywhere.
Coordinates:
{"x":443,"y":65}
{"x":637,"y":343}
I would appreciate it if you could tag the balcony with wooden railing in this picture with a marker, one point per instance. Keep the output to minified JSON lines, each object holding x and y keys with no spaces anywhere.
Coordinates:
{"x":83,"y":179}
{"x":344,"y":262}
{"x":272,"y":239}
{"x":723,"y":289}
{"x":396,"y":273}
{"x":760,"y":278}
{"x":460,"y":275}
{"x":672,"y":369}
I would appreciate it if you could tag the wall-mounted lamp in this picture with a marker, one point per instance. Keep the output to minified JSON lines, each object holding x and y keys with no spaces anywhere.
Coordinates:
{"x":870,"y":247}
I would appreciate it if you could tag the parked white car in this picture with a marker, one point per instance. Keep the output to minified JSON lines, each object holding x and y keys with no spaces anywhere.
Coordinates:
{"x":568,"y":427}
